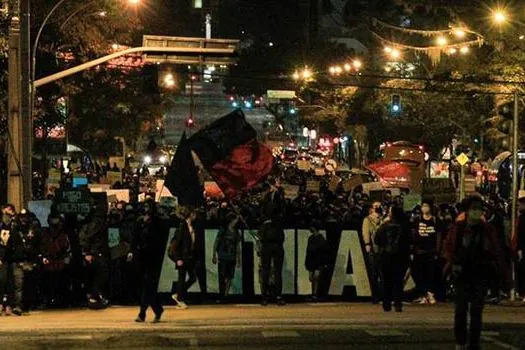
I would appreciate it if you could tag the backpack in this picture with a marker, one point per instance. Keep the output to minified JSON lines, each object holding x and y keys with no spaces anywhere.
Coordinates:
{"x":393,"y":239}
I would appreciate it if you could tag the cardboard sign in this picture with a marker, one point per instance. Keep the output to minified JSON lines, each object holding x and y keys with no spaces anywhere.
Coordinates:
{"x":99,"y":187}
{"x":117,"y":160}
{"x":121,"y":195}
{"x":161,"y":191}
{"x":352,"y":182}
{"x":439,"y":190}
{"x":320,"y":172}
{"x":54,"y":176}
{"x":312,"y":186}
{"x":113,"y":237}
{"x":290,"y":191}
{"x":334,"y":182}
{"x":372,"y":186}
{"x":114,"y":177}
{"x":395,"y":192}
{"x":410,"y":201}
{"x":41,"y":209}
{"x":304,"y":165}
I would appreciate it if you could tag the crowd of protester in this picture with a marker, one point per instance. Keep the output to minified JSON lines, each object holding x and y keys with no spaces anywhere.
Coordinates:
{"x":69,"y":262}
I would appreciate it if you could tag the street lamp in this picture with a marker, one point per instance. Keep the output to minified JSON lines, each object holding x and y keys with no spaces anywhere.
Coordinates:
{"x":441,"y":41}
{"x":499,"y":16}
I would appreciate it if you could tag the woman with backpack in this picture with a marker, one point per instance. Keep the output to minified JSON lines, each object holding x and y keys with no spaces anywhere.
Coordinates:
{"x":393,"y":239}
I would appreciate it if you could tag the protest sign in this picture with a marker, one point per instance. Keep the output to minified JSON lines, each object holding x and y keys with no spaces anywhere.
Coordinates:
{"x":54,"y":176}
{"x":161,"y":191}
{"x":304,"y":164}
{"x":213,"y":190}
{"x":41,"y":209}
{"x":334,"y":182}
{"x":121,"y":195}
{"x":73,"y":201}
{"x":114,"y":177}
{"x":351,"y":183}
{"x":372,"y":186}
{"x":312,"y":186}
{"x":290,"y":191}
{"x":320,"y":172}
{"x":113,"y":237}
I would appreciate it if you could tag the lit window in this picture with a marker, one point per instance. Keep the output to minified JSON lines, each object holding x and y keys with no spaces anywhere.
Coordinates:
{"x":197,"y":4}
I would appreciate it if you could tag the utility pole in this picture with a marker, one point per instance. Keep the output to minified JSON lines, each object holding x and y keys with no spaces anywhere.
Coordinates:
{"x":14,"y":166}
{"x":25,"y":102}
{"x":515,"y":174}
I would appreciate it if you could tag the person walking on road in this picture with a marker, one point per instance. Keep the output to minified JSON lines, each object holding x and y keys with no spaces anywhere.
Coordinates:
{"x":393,"y":239}
{"x":186,"y":256}
{"x":145,"y":250}
{"x":473,"y":253}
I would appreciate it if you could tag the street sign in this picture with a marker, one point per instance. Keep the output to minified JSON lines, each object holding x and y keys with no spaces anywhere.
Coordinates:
{"x":73,"y":201}
{"x":224,"y":49}
{"x":281,"y":94}
{"x":462,"y":159}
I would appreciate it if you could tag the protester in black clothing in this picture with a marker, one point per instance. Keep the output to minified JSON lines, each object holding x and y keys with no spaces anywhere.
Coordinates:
{"x":186,"y":256}
{"x":145,"y":247}
{"x":56,"y":255}
{"x":24,"y":258}
{"x":426,"y":231}
{"x":316,"y":260}
{"x":94,"y":245}
{"x":393,"y":239}
{"x":473,"y":253}
{"x":271,"y":237}
{"x":227,"y":252}
{"x":5,"y":236}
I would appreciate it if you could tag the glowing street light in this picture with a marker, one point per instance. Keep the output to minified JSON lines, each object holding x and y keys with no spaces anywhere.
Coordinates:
{"x":453,"y":51}
{"x":441,"y":41}
{"x":134,"y":2}
{"x":347,"y":67}
{"x":499,"y":16}
{"x":296,"y":75}
{"x":458,"y":32}
{"x":388,"y":49}
{"x":464,"y":50}
{"x":307,"y":73}
{"x":395,"y":54}
{"x":357,"y":64}
{"x":169,"y":80}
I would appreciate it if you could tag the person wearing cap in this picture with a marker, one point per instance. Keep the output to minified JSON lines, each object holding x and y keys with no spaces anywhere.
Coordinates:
{"x":425,"y":230}
{"x":472,"y":251}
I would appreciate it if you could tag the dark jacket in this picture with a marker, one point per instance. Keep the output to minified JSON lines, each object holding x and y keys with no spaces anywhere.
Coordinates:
{"x":271,"y":232}
{"x":24,"y":244}
{"x":521,"y":232}
{"x":394,"y":239}
{"x":273,"y":206}
{"x":93,"y":236}
{"x":185,"y":246}
{"x":317,"y":252}
{"x":55,"y":247}
{"x":484,"y":260}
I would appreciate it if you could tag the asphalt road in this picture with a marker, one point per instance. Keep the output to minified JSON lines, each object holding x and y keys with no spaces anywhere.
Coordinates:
{"x":298,"y":326}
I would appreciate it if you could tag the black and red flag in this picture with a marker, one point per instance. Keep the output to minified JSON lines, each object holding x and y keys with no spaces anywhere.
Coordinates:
{"x":182,"y":178}
{"x":229,"y":151}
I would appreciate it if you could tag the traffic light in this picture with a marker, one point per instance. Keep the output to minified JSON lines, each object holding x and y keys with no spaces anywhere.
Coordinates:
{"x":396,"y":104}
{"x":190,"y":123}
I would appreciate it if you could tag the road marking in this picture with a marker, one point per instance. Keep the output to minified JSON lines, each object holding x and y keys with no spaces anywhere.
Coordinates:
{"x":280,"y":334}
{"x":490,"y":334}
{"x":322,"y":304}
{"x":499,"y":343}
{"x":386,"y":333}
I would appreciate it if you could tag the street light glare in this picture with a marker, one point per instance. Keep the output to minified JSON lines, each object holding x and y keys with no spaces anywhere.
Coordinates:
{"x":441,"y":41}
{"x":499,"y":16}
{"x":347,"y":67}
{"x":357,"y":64}
{"x":395,"y":53}
{"x":388,"y":49}
{"x":134,"y":2}
{"x":307,"y":73}
{"x":452,"y":51}
{"x":464,"y":50}
{"x":460,"y":33}
{"x":296,"y":75}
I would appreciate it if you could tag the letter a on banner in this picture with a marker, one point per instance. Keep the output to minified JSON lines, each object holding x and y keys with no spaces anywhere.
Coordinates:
{"x":350,"y":248}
